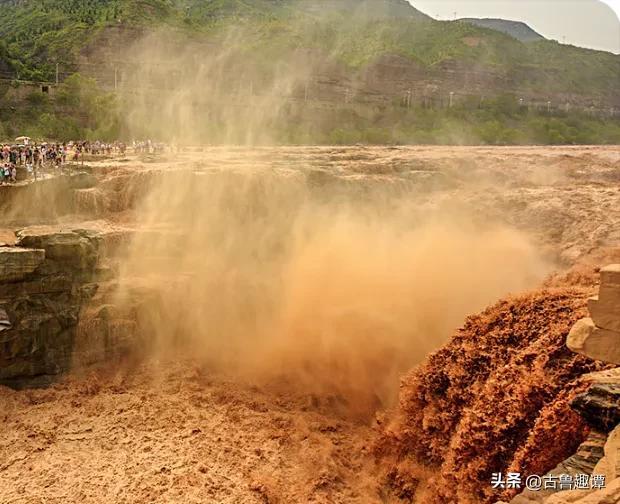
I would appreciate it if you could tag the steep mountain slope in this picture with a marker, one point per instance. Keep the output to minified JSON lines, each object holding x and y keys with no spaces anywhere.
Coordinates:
{"x":515,"y":29}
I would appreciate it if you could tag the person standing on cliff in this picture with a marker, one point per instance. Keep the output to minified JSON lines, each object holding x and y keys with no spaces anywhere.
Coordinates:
{"x":43,"y":155}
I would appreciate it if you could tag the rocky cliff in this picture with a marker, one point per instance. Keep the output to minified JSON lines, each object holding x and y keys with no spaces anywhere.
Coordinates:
{"x":57,"y":307}
{"x":44,"y":282}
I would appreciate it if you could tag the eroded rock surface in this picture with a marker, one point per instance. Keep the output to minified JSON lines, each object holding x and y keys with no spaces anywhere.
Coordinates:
{"x":16,"y":262}
{"x":600,"y":404}
{"x":46,"y":280}
{"x":77,"y":249}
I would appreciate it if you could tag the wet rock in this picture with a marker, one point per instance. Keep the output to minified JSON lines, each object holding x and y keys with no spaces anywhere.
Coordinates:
{"x":600,"y":404}
{"x":587,"y":456}
{"x":16,"y":263}
{"x":601,"y":344}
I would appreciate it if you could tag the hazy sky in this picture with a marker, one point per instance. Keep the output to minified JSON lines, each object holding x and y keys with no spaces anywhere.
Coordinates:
{"x":586,"y":23}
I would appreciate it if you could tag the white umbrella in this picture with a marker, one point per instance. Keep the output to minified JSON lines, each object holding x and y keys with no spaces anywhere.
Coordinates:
{"x":23,"y":139}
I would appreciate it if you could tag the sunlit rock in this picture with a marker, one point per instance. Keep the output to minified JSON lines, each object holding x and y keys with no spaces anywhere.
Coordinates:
{"x":605,"y":313}
{"x":588,"y":339}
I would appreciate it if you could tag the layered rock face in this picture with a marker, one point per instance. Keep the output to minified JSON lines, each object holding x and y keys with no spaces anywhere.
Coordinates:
{"x":45,"y":281}
{"x":598,"y":337}
{"x":600,"y":405}
{"x":61,"y":307}
{"x":16,"y":263}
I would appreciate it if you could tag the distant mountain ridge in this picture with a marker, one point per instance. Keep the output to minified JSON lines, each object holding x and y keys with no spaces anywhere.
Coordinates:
{"x":516,"y":29}
{"x":372,"y":8}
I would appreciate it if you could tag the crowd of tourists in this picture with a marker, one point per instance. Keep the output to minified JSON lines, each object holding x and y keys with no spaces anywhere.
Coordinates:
{"x":31,"y":160}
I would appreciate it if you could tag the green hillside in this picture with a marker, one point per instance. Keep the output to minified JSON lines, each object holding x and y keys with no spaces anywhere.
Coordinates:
{"x":35,"y":35}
